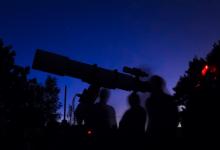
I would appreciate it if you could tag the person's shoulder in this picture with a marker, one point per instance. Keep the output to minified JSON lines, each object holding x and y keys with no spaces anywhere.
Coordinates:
{"x":170,"y":100}
{"x":142,"y":110}
{"x":96,"y":105}
{"x":110,"y":107}
{"x":129,"y":111}
{"x":168,"y":96}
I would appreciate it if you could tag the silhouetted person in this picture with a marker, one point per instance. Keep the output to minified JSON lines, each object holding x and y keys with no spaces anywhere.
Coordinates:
{"x":105,"y":116}
{"x":85,"y":110}
{"x":132,"y":124}
{"x":162,"y":112}
{"x":104,"y":121}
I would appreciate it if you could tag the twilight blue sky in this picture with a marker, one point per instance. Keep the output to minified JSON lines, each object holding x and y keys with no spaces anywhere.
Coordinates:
{"x":162,"y":35}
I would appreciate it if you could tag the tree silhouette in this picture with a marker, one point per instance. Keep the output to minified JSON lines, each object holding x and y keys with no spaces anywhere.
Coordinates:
{"x":51,"y":99}
{"x":24,"y":102}
{"x":13,"y":81}
{"x":198,"y":90}
{"x":189,"y":81}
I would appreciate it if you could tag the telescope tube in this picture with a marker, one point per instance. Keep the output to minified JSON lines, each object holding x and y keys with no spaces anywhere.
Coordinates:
{"x":92,"y":74}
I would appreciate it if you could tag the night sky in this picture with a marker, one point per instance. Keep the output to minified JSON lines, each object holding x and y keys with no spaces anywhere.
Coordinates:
{"x":159,"y":35}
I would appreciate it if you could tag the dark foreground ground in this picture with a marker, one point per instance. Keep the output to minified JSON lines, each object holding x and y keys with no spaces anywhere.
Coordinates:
{"x":63,"y":137}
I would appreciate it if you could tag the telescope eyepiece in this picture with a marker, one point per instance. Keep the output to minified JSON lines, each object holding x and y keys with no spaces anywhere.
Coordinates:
{"x":135,"y":71}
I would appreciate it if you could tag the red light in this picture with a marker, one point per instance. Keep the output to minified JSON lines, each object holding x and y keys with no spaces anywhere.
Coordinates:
{"x":213,"y":69}
{"x":204,"y":70}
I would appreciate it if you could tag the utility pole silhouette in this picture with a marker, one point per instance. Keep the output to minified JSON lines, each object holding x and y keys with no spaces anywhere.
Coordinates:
{"x":64,"y":118}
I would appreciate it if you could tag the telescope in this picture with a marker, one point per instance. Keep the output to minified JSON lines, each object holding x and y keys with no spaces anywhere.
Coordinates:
{"x":92,"y":74}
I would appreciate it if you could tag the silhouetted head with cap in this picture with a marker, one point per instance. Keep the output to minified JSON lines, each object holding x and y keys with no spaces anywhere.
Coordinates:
{"x":104,"y":96}
{"x":134,"y":99}
{"x":157,"y":84}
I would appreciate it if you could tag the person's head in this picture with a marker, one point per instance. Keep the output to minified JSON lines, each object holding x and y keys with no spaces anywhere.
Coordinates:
{"x":91,"y":93}
{"x":104,"y":95}
{"x":157,"y":84}
{"x":134,"y":99}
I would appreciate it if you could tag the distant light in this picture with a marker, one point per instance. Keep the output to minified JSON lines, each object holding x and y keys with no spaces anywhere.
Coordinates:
{"x":204,"y":70}
{"x":181,"y":108}
{"x":89,"y":132}
{"x":179,"y":125}
{"x":198,"y":85}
